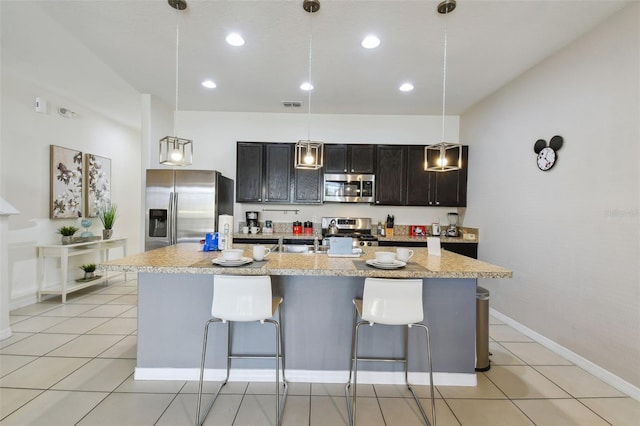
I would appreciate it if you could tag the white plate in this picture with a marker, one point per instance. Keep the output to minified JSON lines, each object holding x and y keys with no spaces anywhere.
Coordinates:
{"x":224,"y":262}
{"x":393,"y":265}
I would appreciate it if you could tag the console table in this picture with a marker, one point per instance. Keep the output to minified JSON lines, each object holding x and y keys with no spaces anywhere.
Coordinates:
{"x":64,"y":252}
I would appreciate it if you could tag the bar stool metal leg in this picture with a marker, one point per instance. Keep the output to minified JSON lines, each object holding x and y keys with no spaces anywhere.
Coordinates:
{"x":353,"y":373}
{"x":199,"y":422}
{"x":279,"y":359}
{"x":391,"y":302}
{"x":280,"y":401}
{"x":352,"y":355}
{"x":431,"y":386}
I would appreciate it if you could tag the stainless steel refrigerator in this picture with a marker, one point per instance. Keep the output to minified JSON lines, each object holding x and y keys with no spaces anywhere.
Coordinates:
{"x":183,"y":205}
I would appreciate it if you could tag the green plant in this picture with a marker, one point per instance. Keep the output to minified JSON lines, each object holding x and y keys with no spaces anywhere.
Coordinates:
{"x":108,"y":216}
{"x":88,"y":267}
{"x":67,"y":231}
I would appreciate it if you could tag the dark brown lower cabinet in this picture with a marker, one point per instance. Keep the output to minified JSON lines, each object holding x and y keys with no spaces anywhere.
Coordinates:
{"x":465,"y":249}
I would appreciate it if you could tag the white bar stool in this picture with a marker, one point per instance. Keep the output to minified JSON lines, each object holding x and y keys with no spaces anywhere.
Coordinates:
{"x":244,"y":299}
{"x":389,"y":302}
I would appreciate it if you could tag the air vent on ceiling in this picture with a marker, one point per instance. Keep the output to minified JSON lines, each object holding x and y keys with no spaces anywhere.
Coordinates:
{"x":291,"y":104}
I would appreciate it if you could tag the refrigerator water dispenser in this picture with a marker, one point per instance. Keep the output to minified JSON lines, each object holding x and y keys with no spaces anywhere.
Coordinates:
{"x":157,"y":222}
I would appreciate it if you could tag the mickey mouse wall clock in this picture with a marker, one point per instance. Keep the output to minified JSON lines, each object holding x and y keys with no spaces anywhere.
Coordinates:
{"x":547,"y":154}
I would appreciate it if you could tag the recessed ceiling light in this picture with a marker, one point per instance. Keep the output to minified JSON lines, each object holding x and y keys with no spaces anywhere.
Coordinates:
{"x":235,"y":39}
{"x":406,"y":87}
{"x":209,"y":84}
{"x":306,"y":86}
{"x":370,"y":42}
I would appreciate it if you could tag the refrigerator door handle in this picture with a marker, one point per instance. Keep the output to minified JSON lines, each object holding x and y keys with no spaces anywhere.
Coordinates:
{"x":175,"y":218}
{"x":170,"y":219}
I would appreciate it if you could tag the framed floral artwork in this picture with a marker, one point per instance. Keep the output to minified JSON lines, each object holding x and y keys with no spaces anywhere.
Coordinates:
{"x":65,"y":183}
{"x":98,"y":170}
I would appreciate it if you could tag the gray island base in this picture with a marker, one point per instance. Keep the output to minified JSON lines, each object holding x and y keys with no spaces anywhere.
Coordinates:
{"x":175,"y":288}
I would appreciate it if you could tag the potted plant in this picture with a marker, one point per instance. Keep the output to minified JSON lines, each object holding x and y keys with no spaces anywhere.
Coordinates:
{"x":89,"y":270}
{"x":108,"y":217}
{"x":67,"y":232}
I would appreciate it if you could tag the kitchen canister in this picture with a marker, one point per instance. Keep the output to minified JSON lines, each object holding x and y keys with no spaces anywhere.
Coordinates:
{"x":308,"y":228}
{"x":297,"y":228}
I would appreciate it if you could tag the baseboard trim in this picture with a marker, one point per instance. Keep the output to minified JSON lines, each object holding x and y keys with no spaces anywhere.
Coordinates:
{"x":22,"y":301}
{"x":594,"y":369}
{"x":305,"y":376}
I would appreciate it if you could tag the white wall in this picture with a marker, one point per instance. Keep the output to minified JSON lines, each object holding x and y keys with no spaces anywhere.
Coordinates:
{"x":571,"y":234}
{"x":26,"y":137}
{"x":40,"y":59}
{"x":215,"y":135}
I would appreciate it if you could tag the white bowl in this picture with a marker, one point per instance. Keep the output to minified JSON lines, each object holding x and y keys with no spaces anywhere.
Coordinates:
{"x":385,"y":257}
{"x":232,"y":254}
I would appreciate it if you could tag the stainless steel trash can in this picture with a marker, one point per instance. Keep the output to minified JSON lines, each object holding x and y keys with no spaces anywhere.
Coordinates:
{"x":483,"y":363}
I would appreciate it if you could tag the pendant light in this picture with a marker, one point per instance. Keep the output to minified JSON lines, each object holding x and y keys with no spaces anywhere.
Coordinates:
{"x":309,"y":154}
{"x":443,"y":156}
{"x":175,"y":151}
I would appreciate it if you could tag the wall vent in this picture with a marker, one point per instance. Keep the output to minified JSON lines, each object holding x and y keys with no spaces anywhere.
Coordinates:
{"x":291,"y":104}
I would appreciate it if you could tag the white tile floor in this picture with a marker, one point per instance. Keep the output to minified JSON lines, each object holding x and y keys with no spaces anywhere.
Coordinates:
{"x":73,"y":365}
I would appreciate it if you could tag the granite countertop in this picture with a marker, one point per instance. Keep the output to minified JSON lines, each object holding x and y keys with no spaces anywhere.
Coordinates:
{"x":187,"y":258}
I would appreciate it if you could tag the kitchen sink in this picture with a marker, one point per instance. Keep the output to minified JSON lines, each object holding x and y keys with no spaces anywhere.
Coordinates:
{"x":297,"y":248}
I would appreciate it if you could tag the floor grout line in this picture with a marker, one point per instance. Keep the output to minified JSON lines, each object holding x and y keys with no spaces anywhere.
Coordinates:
{"x":74,"y":301}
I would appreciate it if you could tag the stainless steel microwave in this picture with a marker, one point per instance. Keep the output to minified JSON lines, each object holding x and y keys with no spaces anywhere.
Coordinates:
{"x":349,"y":188}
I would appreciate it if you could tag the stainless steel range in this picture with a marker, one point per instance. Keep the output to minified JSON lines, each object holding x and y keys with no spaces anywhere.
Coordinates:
{"x":358,"y":228}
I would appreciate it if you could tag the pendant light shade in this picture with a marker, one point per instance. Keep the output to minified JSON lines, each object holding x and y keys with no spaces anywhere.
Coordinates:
{"x":443,"y":156}
{"x":309,"y":154}
{"x":175,"y":151}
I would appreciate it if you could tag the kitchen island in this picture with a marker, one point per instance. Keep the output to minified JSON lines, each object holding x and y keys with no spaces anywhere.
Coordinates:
{"x":174,"y":301}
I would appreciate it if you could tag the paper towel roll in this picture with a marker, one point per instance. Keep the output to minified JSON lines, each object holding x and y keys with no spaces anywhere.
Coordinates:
{"x":225,"y":223}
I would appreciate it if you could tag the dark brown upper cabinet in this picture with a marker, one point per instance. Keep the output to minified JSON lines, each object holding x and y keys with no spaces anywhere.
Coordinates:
{"x":351,"y":158}
{"x":438,"y":189}
{"x":265,"y":174}
{"x":391,"y":175}
{"x":249,"y":172}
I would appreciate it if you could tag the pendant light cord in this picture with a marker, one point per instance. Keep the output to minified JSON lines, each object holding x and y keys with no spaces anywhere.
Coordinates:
{"x":175,"y":115}
{"x":444,"y":80}
{"x":309,"y":78}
